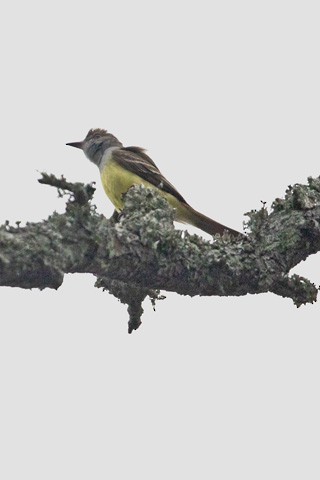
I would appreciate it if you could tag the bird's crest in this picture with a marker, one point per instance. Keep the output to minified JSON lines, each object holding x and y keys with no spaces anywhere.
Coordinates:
{"x":96,"y":133}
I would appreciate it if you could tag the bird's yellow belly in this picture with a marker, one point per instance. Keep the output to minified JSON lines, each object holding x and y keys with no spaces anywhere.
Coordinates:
{"x":116,"y":181}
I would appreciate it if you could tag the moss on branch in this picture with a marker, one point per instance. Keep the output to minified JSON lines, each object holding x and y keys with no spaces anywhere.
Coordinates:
{"x":140,"y":252}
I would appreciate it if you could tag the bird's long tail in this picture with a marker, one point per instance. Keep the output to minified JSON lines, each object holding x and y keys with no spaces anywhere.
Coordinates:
{"x":189,"y":215}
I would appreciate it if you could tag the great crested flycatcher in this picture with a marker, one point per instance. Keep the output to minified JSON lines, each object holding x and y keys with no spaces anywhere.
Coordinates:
{"x":121,"y":167}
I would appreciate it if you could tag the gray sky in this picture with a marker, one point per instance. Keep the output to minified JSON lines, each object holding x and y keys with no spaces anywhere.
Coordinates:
{"x":224,"y":95}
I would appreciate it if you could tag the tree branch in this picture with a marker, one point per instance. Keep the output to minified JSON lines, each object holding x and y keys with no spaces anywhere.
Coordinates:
{"x":141,"y":253}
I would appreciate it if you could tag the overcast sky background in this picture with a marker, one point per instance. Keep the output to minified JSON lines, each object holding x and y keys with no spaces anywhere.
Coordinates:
{"x":225,"y":96}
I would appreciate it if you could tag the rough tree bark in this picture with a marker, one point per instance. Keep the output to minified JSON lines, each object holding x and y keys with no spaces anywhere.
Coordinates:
{"x":140,"y":253}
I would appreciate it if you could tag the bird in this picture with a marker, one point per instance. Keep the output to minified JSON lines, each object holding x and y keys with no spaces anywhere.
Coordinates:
{"x":122,"y":167}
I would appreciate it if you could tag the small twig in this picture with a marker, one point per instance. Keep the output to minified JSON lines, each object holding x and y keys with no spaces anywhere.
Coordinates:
{"x":81,"y":193}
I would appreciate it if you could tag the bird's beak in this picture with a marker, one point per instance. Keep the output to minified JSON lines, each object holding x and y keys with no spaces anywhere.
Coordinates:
{"x":76,"y":144}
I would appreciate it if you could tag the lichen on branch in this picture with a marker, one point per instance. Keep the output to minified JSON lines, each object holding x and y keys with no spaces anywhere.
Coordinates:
{"x":139,"y":252}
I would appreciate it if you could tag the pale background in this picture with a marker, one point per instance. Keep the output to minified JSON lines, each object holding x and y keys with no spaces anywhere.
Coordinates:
{"x":225,"y":96}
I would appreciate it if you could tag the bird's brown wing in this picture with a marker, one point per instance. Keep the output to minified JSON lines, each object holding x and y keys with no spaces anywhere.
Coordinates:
{"x":137,"y":161}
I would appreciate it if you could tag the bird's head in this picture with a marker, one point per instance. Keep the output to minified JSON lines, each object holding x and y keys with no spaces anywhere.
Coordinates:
{"x":96,"y":143}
